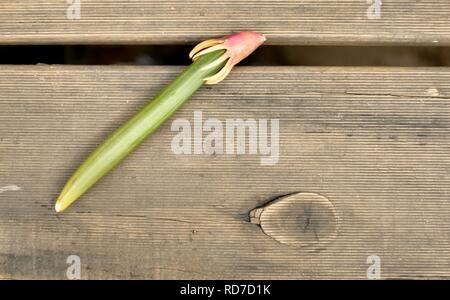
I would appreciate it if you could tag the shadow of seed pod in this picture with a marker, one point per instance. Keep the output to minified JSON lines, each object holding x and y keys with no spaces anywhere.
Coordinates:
{"x":302,"y":220}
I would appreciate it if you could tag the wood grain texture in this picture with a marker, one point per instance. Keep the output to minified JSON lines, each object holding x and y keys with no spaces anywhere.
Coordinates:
{"x":303,"y":22}
{"x":373,"y":141}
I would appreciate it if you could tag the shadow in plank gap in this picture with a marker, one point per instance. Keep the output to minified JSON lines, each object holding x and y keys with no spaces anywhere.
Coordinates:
{"x":402,"y":56}
{"x":306,"y":220}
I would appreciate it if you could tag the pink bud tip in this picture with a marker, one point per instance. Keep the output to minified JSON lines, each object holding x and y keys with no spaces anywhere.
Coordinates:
{"x":242,"y":44}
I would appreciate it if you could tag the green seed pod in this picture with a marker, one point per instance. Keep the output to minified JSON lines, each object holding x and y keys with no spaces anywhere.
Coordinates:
{"x":211,"y":65}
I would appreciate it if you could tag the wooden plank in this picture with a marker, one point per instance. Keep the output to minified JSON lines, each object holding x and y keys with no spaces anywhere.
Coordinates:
{"x":306,"y":22}
{"x":373,"y":141}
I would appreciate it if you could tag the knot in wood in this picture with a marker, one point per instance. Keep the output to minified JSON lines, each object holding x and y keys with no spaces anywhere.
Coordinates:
{"x":302,"y":219}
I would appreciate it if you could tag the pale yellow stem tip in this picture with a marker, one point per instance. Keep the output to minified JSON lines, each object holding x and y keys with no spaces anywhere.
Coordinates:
{"x":59,"y":207}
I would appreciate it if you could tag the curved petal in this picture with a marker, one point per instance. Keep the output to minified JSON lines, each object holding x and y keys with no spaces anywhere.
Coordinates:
{"x":208,"y":50}
{"x":221,"y":75}
{"x":204,"y":45}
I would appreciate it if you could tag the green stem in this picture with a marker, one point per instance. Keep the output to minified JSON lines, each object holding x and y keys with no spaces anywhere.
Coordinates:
{"x":126,"y":138}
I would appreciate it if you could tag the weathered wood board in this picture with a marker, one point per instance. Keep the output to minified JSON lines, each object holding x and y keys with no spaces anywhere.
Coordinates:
{"x":373,"y":141}
{"x":301,"y":22}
